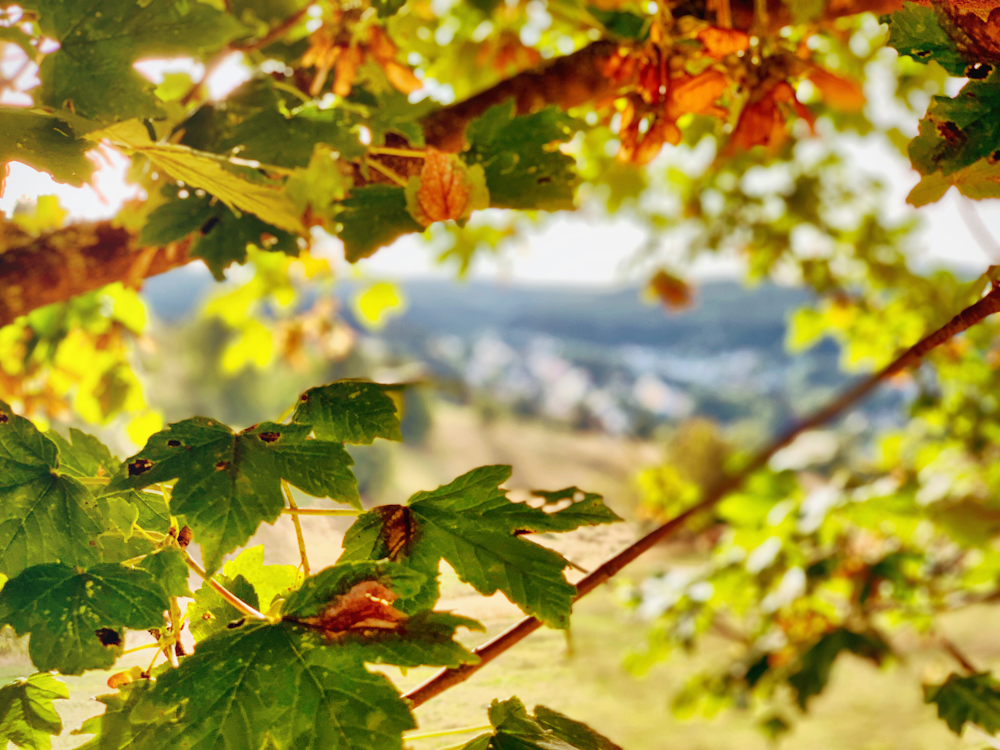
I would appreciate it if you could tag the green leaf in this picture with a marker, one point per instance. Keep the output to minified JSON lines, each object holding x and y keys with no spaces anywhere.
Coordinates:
{"x":44,"y":517}
{"x":569,"y":509}
{"x":513,"y":727}
{"x":269,"y":581}
{"x":210,"y":173}
{"x":129,"y":720}
{"x":268,"y":11}
{"x":150,"y":512}
{"x":44,"y":142}
{"x":265,"y":123}
{"x":814,"y":666}
{"x":228,"y":483}
{"x":222,"y":235}
{"x":350,"y":411}
{"x":472,"y":525}
{"x":75,"y":617}
{"x":978,"y":181}
{"x":388,"y":8}
{"x":27,"y":717}
{"x":521,"y":170}
{"x":248,"y":578}
{"x":372,"y":217}
{"x":169,"y":567}
{"x":83,"y":455}
{"x":210,"y":613}
{"x":916,"y":31}
{"x":961,"y":699}
{"x":423,"y":639}
{"x":958,"y":132}
{"x":92,"y":75}
{"x":256,"y":685}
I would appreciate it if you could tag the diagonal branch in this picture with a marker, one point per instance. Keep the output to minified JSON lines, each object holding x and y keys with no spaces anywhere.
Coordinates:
{"x":76,"y":259}
{"x":491,"y":649}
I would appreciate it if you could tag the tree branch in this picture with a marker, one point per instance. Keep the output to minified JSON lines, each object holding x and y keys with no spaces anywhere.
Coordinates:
{"x":76,"y":259}
{"x":491,"y":649}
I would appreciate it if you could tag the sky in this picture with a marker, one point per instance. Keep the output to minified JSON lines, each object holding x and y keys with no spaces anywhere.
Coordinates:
{"x":568,"y":249}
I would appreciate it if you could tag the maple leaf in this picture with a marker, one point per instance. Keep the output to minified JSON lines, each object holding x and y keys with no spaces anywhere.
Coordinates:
{"x":373,"y":216}
{"x":247,"y":577}
{"x":763,"y":119}
{"x":472,"y":525}
{"x":975,"y":699}
{"x":44,"y":142}
{"x":351,"y":411}
{"x":44,"y":517}
{"x":27,"y":717}
{"x":522,"y":168}
{"x":76,"y":617}
{"x":229,"y":483}
{"x":546,"y":730}
{"x":352,"y":605}
{"x":446,"y":188}
{"x":813,"y":671}
{"x":92,"y":69}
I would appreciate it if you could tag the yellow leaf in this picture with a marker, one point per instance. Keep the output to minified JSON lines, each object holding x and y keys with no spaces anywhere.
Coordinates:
{"x":254,"y":346}
{"x":197,"y":169}
{"x":142,"y":427}
{"x":47,"y":215}
{"x":376,"y":301}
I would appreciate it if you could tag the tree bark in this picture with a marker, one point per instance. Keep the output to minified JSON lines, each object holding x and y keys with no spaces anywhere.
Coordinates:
{"x":76,"y":259}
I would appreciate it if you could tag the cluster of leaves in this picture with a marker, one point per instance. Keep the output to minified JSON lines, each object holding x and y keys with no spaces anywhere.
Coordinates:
{"x":93,"y":547}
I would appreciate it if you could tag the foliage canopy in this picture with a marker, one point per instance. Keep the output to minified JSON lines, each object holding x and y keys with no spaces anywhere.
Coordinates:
{"x":465,"y":121}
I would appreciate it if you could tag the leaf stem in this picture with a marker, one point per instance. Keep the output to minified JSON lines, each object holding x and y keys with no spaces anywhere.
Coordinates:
{"x":321,"y":511}
{"x":222,"y":591}
{"x":446,"y":732}
{"x":386,"y":151}
{"x":292,"y":507}
{"x":93,"y":481}
{"x":143,"y":647}
{"x":386,"y":171}
{"x":971,"y":315}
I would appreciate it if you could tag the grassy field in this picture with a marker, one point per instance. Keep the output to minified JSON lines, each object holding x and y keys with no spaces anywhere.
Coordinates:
{"x":864,"y":709}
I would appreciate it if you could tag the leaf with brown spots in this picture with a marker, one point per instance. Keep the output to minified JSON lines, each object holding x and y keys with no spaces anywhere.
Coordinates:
{"x":229,"y":483}
{"x":472,"y":525}
{"x":446,"y":189}
{"x":76,"y":617}
{"x":351,"y":411}
{"x":44,"y":517}
{"x":367,"y":608}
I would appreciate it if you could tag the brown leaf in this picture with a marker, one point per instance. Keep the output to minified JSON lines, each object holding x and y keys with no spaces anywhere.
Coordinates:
{"x":444,"y":190}
{"x":347,"y":69}
{"x":366,"y":607}
{"x":839,"y":92}
{"x":673,"y":292}
{"x":697,"y":94}
{"x":400,"y":76}
{"x":721,"y":42}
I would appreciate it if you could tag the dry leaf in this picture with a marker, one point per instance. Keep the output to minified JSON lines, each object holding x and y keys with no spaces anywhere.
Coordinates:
{"x":721,"y":42}
{"x":446,"y":189}
{"x":366,"y":607}
{"x":697,"y":94}
{"x":837,"y":91}
{"x":673,"y":292}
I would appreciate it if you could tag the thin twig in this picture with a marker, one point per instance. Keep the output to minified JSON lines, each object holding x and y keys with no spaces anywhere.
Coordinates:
{"x":298,"y":527}
{"x":321,"y":511}
{"x":445,"y":732}
{"x":956,"y":653}
{"x":386,"y":171}
{"x":274,"y":34}
{"x":493,"y":648}
{"x":222,"y":591}
{"x":406,"y":152}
